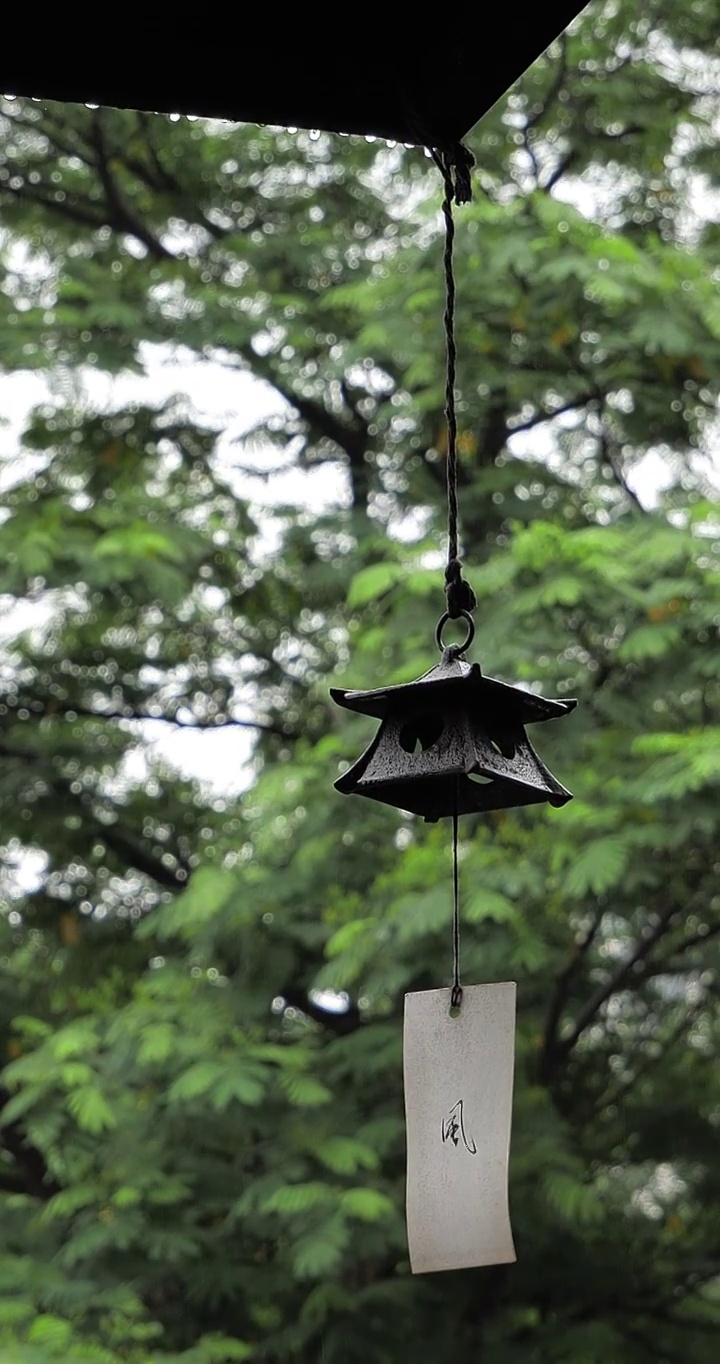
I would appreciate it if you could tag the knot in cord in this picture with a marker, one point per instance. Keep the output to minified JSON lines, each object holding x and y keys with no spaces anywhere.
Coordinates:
{"x":458,"y":164}
{"x":459,"y":594}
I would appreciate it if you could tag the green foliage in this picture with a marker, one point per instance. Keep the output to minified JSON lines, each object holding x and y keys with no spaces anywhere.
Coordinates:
{"x":201,"y":1151}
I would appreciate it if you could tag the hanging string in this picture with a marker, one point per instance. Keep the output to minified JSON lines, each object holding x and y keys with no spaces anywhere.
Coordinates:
{"x":454,"y":166}
{"x":456,"y":993}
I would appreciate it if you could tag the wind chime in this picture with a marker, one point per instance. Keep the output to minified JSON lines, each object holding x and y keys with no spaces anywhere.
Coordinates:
{"x":452,"y":743}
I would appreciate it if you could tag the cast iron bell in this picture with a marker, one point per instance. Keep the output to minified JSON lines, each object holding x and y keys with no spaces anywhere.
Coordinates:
{"x":452,"y":742}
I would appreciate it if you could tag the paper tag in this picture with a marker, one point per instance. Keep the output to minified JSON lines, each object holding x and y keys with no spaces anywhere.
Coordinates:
{"x":458,"y":1108}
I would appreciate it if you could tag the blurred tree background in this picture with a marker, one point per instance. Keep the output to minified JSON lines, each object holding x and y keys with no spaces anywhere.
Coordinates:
{"x":202,"y":1149}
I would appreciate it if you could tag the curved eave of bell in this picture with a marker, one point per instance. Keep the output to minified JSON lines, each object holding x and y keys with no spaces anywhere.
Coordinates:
{"x":480,"y":694}
{"x":435,"y":798}
{"x":348,"y":780}
{"x":382,"y":700}
{"x":524,"y":707}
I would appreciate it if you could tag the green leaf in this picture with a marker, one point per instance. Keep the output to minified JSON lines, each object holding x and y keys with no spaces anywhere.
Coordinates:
{"x":563,"y":589}
{"x":34,"y":1028}
{"x":489,"y":904}
{"x":598,"y":866}
{"x":51,"y":1332}
{"x":245,"y":1084}
{"x":319,"y":1252}
{"x":157,"y":1043}
{"x":126,"y":1197}
{"x":22,"y":1103}
{"x":15,"y":1310}
{"x":348,"y":936}
{"x":648,"y":641}
{"x":576,"y":1202}
{"x":345,"y":1155}
{"x":371,"y":583}
{"x":196,"y":1081}
{"x":304,"y":1091}
{"x":209,"y":891}
{"x":419,"y":914}
{"x":218,"y":1349}
{"x":74,"y":1040}
{"x":167,"y":1191}
{"x":298,"y":1198}
{"x":368,"y":1205}
{"x":91,"y":1110}
{"x":75,"y":1073}
{"x":69,"y":1201}
{"x":221,"y":1082}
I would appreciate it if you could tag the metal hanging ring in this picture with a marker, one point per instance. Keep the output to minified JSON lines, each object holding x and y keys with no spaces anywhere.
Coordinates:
{"x":469,"y":634}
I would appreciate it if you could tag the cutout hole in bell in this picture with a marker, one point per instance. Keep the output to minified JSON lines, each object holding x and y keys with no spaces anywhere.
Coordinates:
{"x":421,"y":732}
{"x":504,"y":746}
{"x":480,"y":779}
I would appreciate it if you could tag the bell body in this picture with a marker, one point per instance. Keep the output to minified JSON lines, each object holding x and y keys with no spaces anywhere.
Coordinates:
{"x":454,"y":741}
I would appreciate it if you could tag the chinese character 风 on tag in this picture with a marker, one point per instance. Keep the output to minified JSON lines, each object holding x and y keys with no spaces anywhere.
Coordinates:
{"x":453,"y":1128}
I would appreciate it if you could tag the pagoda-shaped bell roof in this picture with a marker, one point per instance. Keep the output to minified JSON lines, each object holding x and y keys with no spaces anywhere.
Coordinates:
{"x":453,"y":741}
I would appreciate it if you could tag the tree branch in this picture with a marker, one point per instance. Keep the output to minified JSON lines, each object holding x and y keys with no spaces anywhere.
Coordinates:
{"x":124,"y":843}
{"x":323,"y":423}
{"x":561,"y":169}
{"x":607,"y":457}
{"x":621,"y":1091}
{"x":125,"y":220}
{"x":555,"y":85}
{"x":562,"y":991}
{"x":148,"y":123}
{"x":97,"y":158}
{"x":73,"y":212}
{"x":132,"y":851}
{"x":545,"y":105}
{"x":76,"y":708}
{"x":159,"y":179}
{"x":46,"y":126}
{"x":351,"y":441}
{"x":616,"y":981}
{"x":693,"y":940}
{"x":583,"y":400}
